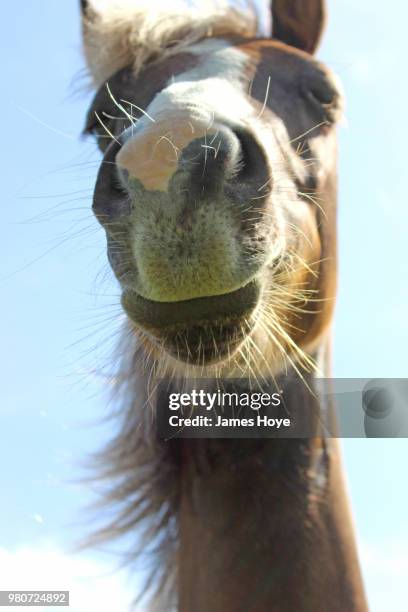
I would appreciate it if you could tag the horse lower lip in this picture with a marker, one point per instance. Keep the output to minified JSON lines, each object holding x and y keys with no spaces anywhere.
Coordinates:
{"x":161,"y":317}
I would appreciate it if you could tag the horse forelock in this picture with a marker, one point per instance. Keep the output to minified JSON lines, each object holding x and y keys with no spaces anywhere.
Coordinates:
{"x":121,"y":33}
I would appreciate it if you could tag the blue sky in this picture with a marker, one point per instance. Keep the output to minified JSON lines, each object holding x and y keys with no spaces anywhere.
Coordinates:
{"x":59,"y":303}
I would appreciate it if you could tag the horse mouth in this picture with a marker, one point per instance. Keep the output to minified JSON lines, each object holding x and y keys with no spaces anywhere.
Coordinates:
{"x":200,"y":331}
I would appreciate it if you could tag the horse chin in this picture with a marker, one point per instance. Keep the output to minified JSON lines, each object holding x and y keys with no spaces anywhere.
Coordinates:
{"x":206,"y":345}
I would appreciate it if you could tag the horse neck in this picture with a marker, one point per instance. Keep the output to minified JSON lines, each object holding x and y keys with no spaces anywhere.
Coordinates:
{"x":265,"y":524}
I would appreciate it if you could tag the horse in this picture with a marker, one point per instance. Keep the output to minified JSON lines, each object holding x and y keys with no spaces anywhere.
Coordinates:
{"x":217,"y":192}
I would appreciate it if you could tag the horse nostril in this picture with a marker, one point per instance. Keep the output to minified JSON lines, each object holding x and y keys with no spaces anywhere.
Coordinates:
{"x":253,"y":163}
{"x":209,"y":161}
{"x":111,"y":200}
{"x":232,"y":157}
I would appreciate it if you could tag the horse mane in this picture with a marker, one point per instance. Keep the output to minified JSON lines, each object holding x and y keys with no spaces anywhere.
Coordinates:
{"x":120,"y":33}
{"x":137,"y":476}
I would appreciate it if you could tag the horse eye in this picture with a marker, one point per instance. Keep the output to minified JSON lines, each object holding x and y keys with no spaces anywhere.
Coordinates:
{"x":322,"y":92}
{"x":99,"y":135}
{"x":98,"y":126}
